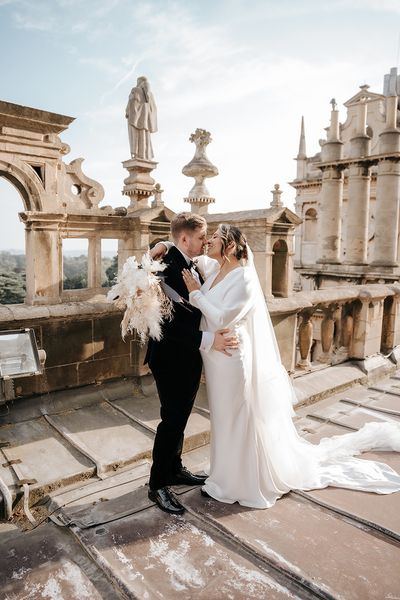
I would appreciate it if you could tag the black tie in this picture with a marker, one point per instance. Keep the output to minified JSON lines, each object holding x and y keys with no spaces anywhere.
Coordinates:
{"x":192,"y":265}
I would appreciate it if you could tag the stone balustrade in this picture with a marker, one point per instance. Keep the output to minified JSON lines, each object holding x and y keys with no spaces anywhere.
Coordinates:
{"x":314,"y":330}
{"x":331,"y":326}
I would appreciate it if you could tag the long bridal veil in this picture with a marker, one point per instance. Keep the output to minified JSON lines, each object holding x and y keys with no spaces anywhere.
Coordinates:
{"x":293,"y":462}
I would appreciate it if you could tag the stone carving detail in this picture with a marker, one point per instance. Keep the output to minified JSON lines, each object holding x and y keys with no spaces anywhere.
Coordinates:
{"x":200,"y":168}
{"x":88,"y":192}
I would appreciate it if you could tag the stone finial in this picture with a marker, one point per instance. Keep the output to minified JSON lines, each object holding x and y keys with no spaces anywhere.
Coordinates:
{"x":158,"y":201}
{"x":200,"y":168}
{"x":276,"y":197}
{"x":333,"y":129}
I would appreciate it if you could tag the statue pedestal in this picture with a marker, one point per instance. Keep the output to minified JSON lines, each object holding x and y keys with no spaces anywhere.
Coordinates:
{"x":139,"y":185}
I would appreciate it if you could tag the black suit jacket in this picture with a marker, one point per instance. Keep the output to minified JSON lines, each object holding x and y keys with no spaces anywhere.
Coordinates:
{"x":181,"y":334}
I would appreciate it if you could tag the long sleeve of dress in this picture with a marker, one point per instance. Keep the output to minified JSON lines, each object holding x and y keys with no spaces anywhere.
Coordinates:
{"x":206,"y":265}
{"x":236,"y":302}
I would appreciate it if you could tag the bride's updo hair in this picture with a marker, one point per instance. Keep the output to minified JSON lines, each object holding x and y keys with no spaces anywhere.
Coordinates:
{"x":229,"y":234}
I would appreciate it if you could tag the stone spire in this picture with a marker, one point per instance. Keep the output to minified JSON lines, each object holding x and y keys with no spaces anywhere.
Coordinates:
{"x":276,"y":201}
{"x":302,"y":145}
{"x":200,"y":168}
{"x":301,"y":157}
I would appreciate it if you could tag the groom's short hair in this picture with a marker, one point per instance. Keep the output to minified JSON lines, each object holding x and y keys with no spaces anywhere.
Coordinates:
{"x":186,"y":221}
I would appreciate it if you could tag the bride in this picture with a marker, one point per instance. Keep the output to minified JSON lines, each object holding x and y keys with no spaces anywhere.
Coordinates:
{"x":256,"y":452}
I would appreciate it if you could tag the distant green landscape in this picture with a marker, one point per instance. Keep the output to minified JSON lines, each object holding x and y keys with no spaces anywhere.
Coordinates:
{"x":12,"y":274}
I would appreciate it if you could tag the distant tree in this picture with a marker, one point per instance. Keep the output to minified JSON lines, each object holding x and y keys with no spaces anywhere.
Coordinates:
{"x":12,"y":262}
{"x":76,"y":282}
{"x":75,"y":272}
{"x":12,"y":287}
{"x":111,"y":273}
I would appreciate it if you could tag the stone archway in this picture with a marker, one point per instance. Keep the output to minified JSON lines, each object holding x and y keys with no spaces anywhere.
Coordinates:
{"x":280,"y":269}
{"x":24,"y":178}
{"x":12,"y":245}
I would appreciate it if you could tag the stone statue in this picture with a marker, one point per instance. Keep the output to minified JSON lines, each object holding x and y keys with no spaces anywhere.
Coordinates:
{"x":141,"y":112}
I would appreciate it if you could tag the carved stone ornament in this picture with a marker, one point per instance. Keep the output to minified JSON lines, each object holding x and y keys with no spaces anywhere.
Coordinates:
{"x":80,"y":192}
{"x":200,"y":168}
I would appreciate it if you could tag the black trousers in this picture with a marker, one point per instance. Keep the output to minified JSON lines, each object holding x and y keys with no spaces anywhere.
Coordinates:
{"x":177,"y":389}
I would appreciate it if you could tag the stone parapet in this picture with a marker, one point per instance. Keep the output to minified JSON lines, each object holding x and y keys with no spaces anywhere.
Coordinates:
{"x":314,"y":330}
{"x":82,"y":341}
{"x":334,"y":325}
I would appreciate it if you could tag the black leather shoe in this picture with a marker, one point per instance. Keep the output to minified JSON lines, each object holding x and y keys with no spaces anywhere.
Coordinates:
{"x":185,"y":477}
{"x":204,"y":493}
{"x":166,"y":500}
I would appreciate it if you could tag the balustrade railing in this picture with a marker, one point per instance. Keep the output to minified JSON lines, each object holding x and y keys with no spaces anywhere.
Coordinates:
{"x":338,"y":324}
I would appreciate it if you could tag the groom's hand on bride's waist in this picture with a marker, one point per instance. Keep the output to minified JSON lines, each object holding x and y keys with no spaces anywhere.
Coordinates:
{"x":224,"y":341}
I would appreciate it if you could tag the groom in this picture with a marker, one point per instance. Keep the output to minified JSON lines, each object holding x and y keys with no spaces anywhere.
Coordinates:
{"x":176,"y":364}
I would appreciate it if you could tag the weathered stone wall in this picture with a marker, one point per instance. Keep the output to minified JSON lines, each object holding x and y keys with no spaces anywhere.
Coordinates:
{"x":82,"y":341}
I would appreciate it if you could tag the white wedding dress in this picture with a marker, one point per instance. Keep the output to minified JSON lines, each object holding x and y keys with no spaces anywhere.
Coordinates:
{"x":256,"y":452}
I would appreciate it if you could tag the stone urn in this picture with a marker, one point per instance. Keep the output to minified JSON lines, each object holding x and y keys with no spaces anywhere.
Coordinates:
{"x":200,"y":168}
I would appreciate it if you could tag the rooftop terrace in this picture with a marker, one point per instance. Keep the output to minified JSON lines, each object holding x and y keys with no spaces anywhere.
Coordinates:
{"x":96,"y":534}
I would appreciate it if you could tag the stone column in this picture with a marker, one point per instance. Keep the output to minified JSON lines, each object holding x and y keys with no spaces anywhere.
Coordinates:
{"x":367,"y":328}
{"x":43,"y":260}
{"x":391,"y":329}
{"x":134,"y":243}
{"x":388,"y":192}
{"x":359,"y":192}
{"x":94,"y":263}
{"x":331,"y":197}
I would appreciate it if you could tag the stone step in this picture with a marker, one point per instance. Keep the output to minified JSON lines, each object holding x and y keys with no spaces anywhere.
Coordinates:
{"x":153,"y":555}
{"x":146,"y":412}
{"x":107,"y":437}
{"x":313,"y":544}
{"x":95,"y":491}
{"x":49,"y":563}
{"x":80,"y":498}
{"x":317,"y":385}
{"x":93,"y":434}
{"x":44,"y":455}
{"x":349,"y":415}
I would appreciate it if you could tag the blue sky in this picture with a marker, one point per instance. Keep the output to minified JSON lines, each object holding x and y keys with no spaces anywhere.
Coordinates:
{"x":244,"y":70}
